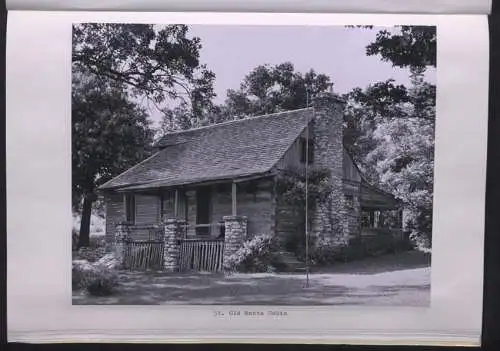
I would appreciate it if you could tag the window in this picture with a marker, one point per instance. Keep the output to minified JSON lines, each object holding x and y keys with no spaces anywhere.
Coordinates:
{"x":306,"y":150}
{"x":130,"y":208}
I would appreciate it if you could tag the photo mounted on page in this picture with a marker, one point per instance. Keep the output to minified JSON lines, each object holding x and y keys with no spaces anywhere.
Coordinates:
{"x":252,"y":165}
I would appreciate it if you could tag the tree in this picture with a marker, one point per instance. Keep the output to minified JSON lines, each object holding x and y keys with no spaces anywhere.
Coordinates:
{"x":411,"y":47}
{"x":117,"y":67}
{"x":157,"y":63}
{"x":392,"y":140}
{"x":362,"y":113}
{"x":109,"y":133}
{"x":268,"y":89}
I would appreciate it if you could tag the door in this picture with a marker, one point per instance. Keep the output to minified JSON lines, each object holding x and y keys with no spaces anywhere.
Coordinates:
{"x":203,"y":199}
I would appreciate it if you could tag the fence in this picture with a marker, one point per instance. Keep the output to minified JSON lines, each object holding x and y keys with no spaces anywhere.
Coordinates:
{"x":146,"y":254}
{"x":201,"y":255}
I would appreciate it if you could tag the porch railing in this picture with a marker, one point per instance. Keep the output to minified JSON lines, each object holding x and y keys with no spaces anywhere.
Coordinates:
{"x":145,"y":254}
{"x":201,"y":247}
{"x":201,"y":255}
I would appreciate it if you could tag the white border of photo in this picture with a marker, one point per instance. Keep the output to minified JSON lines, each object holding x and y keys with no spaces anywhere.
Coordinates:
{"x":310,"y":6}
{"x":39,"y":201}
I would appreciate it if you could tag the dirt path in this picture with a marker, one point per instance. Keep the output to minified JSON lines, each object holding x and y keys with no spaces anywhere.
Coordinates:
{"x":360,"y":283}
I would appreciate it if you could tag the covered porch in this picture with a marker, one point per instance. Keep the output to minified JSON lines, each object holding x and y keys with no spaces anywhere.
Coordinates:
{"x":199,"y":209}
{"x":380,"y":214}
{"x":196,"y":224}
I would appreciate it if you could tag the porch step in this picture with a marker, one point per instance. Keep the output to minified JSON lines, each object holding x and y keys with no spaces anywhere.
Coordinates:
{"x":289,"y":262}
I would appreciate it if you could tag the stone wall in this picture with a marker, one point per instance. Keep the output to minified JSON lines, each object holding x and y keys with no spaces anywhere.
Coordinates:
{"x":329,"y":219}
{"x":353,"y":213}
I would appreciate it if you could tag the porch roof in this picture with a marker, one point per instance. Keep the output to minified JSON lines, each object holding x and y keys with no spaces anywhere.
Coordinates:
{"x":235,"y":149}
{"x":375,"y":198}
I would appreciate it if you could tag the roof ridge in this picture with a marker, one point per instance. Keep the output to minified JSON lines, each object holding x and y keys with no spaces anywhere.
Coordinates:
{"x":274,"y":114}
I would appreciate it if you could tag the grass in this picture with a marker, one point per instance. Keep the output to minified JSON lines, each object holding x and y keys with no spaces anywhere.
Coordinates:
{"x":402,"y":279}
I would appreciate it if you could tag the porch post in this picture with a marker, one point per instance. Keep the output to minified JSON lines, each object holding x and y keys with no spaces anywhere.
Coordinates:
{"x":171,"y":250}
{"x":233,"y":198}
{"x":176,"y":203}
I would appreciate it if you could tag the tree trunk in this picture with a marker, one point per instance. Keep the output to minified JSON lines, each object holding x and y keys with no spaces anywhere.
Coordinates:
{"x":84,"y":237}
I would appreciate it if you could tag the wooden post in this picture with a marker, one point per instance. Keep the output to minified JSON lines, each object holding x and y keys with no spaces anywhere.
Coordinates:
{"x":124,"y":220}
{"x":161,"y":206}
{"x":176,"y":202}
{"x":233,"y":197}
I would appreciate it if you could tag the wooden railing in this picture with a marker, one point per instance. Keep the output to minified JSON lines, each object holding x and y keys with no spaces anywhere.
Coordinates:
{"x":146,"y":254}
{"x":204,"y":255}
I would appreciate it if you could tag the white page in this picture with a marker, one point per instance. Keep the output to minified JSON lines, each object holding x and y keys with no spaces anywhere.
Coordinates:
{"x":344,"y":6}
{"x":39,"y":200}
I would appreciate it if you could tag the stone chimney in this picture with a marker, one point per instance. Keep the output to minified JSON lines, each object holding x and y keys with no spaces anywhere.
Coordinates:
{"x":327,"y":132}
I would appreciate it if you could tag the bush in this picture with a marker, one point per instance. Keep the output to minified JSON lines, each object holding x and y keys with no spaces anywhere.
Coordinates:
{"x":91,"y":254}
{"x":80,"y":273}
{"x":97,"y":241}
{"x":101,"y":281}
{"x":254,"y":256}
{"x":324,"y":251}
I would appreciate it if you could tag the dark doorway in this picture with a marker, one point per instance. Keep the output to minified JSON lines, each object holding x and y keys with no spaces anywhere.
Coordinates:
{"x":203,"y":197}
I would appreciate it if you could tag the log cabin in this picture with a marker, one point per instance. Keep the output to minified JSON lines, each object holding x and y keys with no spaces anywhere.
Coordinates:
{"x":219,"y":183}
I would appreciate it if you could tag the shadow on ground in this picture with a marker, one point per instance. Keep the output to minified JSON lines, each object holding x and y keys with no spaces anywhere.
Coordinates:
{"x":386,"y":263}
{"x":346,"y":284}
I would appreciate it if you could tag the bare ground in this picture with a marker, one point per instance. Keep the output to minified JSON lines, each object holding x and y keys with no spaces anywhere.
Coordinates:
{"x":402,"y":279}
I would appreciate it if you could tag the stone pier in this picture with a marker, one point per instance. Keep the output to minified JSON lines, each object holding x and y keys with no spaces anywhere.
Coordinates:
{"x":235,"y":234}
{"x":171,"y":250}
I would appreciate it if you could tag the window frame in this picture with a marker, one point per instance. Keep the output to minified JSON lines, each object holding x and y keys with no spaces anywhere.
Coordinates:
{"x":130,"y":208}
{"x":306,"y":148}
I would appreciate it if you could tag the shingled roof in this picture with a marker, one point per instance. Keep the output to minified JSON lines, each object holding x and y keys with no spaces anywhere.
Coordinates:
{"x":235,"y":149}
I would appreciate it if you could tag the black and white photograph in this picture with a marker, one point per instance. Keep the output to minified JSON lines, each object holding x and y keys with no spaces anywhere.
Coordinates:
{"x":266,"y":165}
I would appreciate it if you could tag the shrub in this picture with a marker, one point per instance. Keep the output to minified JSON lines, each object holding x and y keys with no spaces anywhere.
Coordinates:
{"x":97,"y":241}
{"x":324,"y":251}
{"x":80,"y":273}
{"x":91,"y":254}
{"x":254,"y":256}
{"x":101,"y":281}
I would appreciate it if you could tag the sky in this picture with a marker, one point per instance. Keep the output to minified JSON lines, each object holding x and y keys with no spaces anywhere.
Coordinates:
{"x":231,"y":52}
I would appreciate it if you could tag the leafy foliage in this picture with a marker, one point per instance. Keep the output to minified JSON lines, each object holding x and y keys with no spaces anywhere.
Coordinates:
{"x":269,"y":89}
{"x":392,"y":140}
{"x":291,"y":189}
{"x":413,"y":46}
{"x":109,"y":134}
{"x":116,"y":67}
{"x":101,"y":281}
{"x":79,"y":273}
{"x":157,"y":62}
{"x":97,"y":280}
{"x":254,"y":256}
{"x":91,"y":254}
